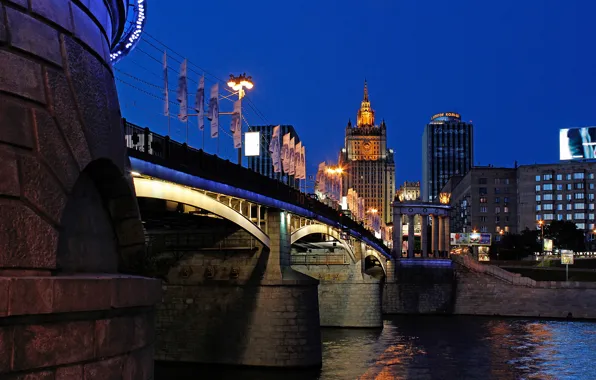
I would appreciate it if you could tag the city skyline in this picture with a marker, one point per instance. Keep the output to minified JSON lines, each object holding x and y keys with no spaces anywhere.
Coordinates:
{"x":530,"y":78}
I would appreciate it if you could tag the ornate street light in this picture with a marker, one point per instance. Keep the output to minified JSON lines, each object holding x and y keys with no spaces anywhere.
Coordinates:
{"x":238,"y":83}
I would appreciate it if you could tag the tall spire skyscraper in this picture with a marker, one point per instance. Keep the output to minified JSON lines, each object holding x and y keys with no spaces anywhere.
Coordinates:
{"x":368,"y":165}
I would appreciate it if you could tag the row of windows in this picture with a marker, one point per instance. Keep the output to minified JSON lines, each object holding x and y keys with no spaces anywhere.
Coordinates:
{"x":497,"y":219}
{"x":559,"y":197}
{"x":498,"y":181}
{"x":576,"y":216}
{"x":497,"y":229}
{"x":559,"y":207}
{"x":484,"y":190}
{"x":497,"y":200}
{"x":568,"y":186}
{"x":559,"y":177}
{"x":484,"y":209}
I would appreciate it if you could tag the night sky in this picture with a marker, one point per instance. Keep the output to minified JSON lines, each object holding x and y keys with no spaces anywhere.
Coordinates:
{"x":520,"y":70}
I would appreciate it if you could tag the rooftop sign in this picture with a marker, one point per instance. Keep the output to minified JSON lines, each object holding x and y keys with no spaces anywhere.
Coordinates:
{"x":446,"y":114}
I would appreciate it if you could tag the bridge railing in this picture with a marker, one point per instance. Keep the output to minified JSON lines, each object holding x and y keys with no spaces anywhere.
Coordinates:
{"x":323,"y":259}
{"x":161,"y":150}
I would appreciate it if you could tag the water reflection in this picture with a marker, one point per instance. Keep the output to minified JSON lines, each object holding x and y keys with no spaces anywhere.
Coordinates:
{"x":428,"y":347}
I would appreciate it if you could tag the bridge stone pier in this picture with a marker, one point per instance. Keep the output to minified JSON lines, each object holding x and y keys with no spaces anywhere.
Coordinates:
{"x":69,"y":221}
{"x":349,"y":279}
{"x":419,"y":283}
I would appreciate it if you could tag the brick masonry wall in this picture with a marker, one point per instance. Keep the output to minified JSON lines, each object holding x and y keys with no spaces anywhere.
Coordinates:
{"x":347,"y":297}
{"x":67,"y":205}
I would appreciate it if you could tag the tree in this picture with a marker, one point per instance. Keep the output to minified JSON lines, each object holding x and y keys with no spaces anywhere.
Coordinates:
{"x":565,"y":235}
{"x":516,"y":246}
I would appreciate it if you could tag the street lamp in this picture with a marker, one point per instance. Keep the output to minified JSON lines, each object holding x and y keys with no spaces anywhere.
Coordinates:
{"x":541,"y":224}
{"x":237,"y":83}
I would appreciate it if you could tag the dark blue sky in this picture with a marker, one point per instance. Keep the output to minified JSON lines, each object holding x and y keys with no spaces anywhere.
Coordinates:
{"x":520,"y":70}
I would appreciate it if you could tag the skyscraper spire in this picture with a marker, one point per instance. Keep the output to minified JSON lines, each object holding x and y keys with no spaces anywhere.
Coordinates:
{"x":366,"y":115}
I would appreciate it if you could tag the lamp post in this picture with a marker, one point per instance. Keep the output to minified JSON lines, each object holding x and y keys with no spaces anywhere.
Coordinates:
{"x":541,"y":224}
{"x":238,"y":83}
{"x":499,"y":251}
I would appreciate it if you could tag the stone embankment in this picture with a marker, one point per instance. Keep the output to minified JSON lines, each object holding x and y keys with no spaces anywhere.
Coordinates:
{"x":489,"y":290}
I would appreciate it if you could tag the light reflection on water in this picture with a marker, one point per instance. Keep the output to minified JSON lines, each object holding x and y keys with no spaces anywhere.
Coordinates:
{"x":429,"y":347}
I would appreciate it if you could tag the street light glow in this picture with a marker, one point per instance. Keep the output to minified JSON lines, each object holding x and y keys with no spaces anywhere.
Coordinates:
{"x":236,"y":83}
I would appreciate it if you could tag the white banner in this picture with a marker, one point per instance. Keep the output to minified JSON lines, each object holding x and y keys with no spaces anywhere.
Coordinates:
{"x":182,"y":93}
{"x":236,"y":125}
{"x":275,"y":150}
{"x":213,"y":111}
{"x":200,"y":103}
{"x":297,"y":152}
{"x":166,"y":89}
{"x":303,"y":163}
{"x":285,"y":150}
{"x":292,"y":159}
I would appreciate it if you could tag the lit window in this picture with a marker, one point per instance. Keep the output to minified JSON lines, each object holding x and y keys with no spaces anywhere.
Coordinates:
{"x":547,"y":186}
{"x":559,"y":207}
{"x":559,"y":177}
{"x":537,"y":178}
{"x":578,"y":175}
{"x":559,"y":186}
{"x":537,"y":187}
{"x":537,"y":198}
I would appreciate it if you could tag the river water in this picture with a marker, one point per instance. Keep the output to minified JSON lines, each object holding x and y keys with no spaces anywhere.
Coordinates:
{"x":433,"y":347}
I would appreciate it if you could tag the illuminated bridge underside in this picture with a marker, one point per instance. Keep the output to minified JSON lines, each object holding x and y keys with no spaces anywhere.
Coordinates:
{"x":322,"y":229}
{"x":176,"y":177}
{"x":148,"y":188}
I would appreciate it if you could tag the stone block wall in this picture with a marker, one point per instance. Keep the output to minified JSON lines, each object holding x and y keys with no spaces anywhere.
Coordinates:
{"x":489,"y":290}
{"x":67,"y":205}
{"x":267,"y":316}
{"x":420,"y":288}
{"x":347,"y":297}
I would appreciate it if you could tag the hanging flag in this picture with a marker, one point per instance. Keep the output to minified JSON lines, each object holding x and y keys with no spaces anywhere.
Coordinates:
{"x":182,"y":93}
{"x":165,"y":80}
{"x":200,"y":103}
{"x":275,"y":150}
{"x":285,"y":153}
{"x":213,"y":111}
{"x":291,"y":147}
{"x":321,"y":183}
{"x":236,"y":127}
{"x":303,"y":163}
{"x":297,"y":151}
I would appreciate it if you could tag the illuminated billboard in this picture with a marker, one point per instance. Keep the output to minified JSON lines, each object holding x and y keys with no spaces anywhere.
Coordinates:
{"x":547,"y":246}
{"x":474,"y":238}
{"x":577,"y":143}
{"x":252,"y":144}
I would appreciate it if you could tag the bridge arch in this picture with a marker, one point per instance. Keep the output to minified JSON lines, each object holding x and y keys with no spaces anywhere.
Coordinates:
{"x":148,"y":188}
{"x":325,"y":230}
{"x":372,"y":256}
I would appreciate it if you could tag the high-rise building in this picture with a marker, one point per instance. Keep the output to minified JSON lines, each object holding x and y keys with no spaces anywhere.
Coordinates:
{"x":262,"y":163}
{"x":563,"y":191}
{"x":483,"y":200}
{"x":447,"y":150}
{"x":368,"y":164}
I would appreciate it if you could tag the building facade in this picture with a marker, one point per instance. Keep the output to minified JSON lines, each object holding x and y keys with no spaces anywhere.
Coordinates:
{"x":262,"y":163}
{"x":447,"y":150}
{"x":563,"y":191}
{"x":368,"y":163}
{"x":408,"y":191}
{"x":484,"y":200}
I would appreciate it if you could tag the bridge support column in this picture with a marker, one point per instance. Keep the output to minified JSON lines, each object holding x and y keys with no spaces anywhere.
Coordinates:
{"x":69,"y":221}
{"x":435,"y":234}
{"x":447,"y":239}
{"x":397,"y":233}
{"x":411,"y":237}
{"x":424,"y":235}
{"x":441,"y":234}
{"x":347,"y":296}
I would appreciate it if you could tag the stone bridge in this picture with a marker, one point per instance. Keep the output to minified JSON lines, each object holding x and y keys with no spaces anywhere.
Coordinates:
{"x":232,"y":243}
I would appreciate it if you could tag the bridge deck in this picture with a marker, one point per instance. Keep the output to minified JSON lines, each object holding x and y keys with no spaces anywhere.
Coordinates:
{"x":160,"y":150}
